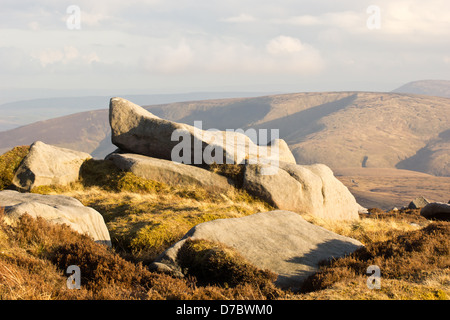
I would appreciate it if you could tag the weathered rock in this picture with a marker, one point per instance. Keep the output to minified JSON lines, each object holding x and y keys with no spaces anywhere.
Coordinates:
{"x":436,"y":211}
{"x":48,"y":165}
{"x":135,"y":130}
{"x":55,"y":209}
{"x":309,"y":189}
{"x":418,"y":203}
{"x":169,"y":172}
{"x":280,"y":241}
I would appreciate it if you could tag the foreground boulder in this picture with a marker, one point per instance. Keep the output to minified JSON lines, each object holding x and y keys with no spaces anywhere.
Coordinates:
{"x":309,"y":189}
{"x":55,"y":209}
{"x":280,"y":241}
{"x":436,"y":211}
{"x":135,"y":130}
{"x":169,"y":172}
{"x":48,"y":165}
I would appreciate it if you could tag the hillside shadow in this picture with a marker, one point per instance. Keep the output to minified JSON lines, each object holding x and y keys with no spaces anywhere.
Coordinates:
{"x":104,"y":148}
{"x":324,"y":252}
{"x":424,"y":156}
{"x":295,"y":127}
{"x":233,"y":116}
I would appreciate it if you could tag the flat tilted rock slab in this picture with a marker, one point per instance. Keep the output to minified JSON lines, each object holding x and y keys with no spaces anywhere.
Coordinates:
{"x":280,"y":241}
{"x":169,"y":172}
{"x":49,"y":165}
{"x":135,"y":130}
{"x":55,"y":209}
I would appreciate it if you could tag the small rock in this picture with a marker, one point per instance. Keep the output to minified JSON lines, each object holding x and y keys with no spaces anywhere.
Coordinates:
{"x":418,"y":203}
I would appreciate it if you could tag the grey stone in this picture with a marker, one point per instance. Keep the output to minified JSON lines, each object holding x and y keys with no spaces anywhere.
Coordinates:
{"x":169,"y":172}
{"x":418,"y":203}
{"x":48,"y":165}
{"x":309,"y":189}
{"x":280,"y":241}
{"x":55,"y":209}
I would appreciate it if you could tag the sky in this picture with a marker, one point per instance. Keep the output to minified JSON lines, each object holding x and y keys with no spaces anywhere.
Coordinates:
{"x":85,"y":47}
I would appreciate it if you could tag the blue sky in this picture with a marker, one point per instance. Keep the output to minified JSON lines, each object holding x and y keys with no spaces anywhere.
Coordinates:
{"x":172,"y":46}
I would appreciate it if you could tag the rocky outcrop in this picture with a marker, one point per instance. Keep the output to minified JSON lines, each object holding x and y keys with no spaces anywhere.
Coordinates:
{"x":436,"y":211}
{"x":55,"y":209}
{"x":48,"y":165}
{"x":169,"y":172}
{"x":309,"y":189}
{"x":271,"y":173}
{"x":135,"y":130}
{"x":280,"y":241}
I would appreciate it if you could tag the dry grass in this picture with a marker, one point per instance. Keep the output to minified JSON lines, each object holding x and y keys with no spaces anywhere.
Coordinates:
{"x":145,"y":217}
{"x":34,"y":255}
{"x":34,"y":258}
{"x":9,"y":162}
{"x":414,"y":264}
{"x":376,"y":227}
{"x":217,"y":264}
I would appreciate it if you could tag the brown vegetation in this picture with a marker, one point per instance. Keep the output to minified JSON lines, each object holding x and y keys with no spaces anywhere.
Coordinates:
{"x":9,"y":162}
{"x":145,"y":217}
{"x":217,"y":264}
{"x":35,"y":255}
{"x":411,"y":257}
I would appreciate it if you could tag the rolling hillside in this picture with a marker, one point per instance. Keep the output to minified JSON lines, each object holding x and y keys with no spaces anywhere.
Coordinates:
{"x":438,"y":88}
{"x":340,"y":129}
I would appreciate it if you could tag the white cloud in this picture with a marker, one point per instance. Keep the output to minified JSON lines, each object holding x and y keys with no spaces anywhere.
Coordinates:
{"x":226,"y":56}
{"x":168,"y":59}
{"x":242,"y":18}
{"x":66,"y":55}
{"x":284,"y":45}
{"x":416,"y":18}
{"x":407,"y":17}
{"x":262,"y":40}
{"x":344,"y":19}
{"x":304,"y":20}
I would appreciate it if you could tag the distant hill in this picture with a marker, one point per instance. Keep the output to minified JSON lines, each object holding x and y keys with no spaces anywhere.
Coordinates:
{"x":438,"y":88}
{"x":19,"y":113}
{"x":340,"y":129}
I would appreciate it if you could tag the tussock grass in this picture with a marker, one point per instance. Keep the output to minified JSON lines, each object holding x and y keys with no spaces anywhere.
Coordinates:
{"x":214,"y":263}
{"x":376,"y":227}
{"x":233,"y":171}
{"x":420,"y":258}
